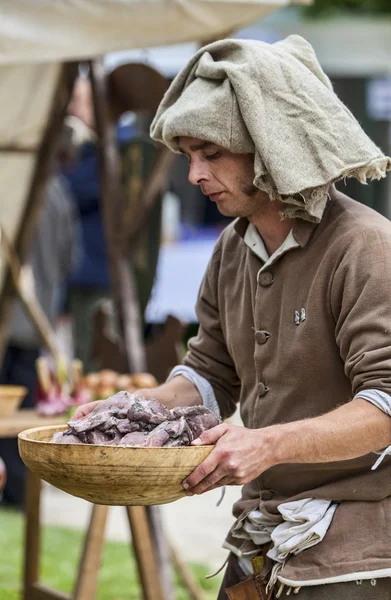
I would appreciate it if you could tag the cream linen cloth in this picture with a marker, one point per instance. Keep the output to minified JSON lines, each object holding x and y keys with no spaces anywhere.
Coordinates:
{"x":305,"y":524}
{"x":275,"y":101}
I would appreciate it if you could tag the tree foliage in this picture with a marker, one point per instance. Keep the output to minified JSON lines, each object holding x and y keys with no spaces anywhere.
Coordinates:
{"x":331,"y":7}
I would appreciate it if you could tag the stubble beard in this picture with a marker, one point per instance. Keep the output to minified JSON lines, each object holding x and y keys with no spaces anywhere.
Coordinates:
{"x":252,"y":202}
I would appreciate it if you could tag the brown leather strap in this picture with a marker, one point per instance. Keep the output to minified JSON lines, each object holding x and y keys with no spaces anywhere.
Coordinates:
{"x":261,"y":584}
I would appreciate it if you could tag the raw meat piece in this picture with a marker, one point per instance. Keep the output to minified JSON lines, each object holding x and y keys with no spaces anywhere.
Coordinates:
{"x":109,"y":424}
{"x":168,"y":430}
{"x":136,"y":438}
{"x":148,"y":411}
{"x":126,"y":426}
{"x":189,"y":411}
{"x":175,"y":442}
{"x":200,"y":423}
{"x":158,"y":436}
{"x":118,"y":404}
{"x":91,"y":421}
{"x":83,"y":437}
{"x":115,"y":406}
{"x":199,"y":418}
{"x":107,"y":438}
{"x":65,"y":437}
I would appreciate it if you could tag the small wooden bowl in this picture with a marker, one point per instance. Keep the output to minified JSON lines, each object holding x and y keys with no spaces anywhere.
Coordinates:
{"x":114,"y":475}
{"x":11,"y":397}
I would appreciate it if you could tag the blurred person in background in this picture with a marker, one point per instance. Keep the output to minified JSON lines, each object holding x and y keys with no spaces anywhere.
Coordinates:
{"x":90,"y":281}
{"x":51,"y":258}
{"x":294,"y":314}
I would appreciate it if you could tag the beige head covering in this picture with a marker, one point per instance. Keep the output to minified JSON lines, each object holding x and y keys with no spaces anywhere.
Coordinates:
{"x":275,"y":101}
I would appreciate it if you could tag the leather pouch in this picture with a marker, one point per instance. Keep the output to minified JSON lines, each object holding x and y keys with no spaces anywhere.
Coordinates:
{"x":252,"y":588}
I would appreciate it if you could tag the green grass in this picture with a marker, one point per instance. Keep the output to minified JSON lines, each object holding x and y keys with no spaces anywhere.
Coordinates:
{"x":60,"y":555}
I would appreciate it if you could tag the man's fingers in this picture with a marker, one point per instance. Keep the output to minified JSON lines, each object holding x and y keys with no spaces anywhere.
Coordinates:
{"x":205,"y":469}
{"x":84,"y":409}
{"x":211,"y":436}
{"x":209,"y":482}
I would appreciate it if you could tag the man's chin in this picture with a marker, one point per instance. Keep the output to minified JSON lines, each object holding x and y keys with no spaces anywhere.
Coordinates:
{"x":225,"y":210}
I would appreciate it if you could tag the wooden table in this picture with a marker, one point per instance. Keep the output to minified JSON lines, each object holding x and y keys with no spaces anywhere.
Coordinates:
{"x":88,"y":571}
{"x":26,"y":419}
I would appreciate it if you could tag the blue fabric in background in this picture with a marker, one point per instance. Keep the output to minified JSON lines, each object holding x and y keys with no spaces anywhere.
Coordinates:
{"x":83,"y":179}
{"x":92,"y":269}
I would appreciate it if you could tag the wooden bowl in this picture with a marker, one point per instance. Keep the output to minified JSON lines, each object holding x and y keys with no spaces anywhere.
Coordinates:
{"x":114,"y":475}
{"x":11,"y":397}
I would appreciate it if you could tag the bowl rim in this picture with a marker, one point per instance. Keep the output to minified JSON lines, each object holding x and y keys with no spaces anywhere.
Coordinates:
{"x":24,"y":435}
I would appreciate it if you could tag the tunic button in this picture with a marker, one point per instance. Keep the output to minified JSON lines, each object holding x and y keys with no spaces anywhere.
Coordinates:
{"x":266,"y":278}
{"x":266,"y":495}
{"x":262,"y":389}
{"x":261,"y":337}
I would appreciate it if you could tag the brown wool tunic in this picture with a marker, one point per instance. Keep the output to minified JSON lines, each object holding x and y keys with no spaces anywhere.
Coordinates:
{"x":251,"y":350}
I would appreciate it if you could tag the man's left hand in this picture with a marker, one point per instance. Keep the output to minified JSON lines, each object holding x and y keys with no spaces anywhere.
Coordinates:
{"x":240,"y":455}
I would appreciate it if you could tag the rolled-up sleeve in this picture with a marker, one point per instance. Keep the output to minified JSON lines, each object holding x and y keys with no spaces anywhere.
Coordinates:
{"x":208,"y":353}
{"x":361,"y":305}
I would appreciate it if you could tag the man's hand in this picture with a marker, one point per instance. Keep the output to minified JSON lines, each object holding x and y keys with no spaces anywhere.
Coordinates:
{"x":240,"y":455}
{"x":84,"y":409}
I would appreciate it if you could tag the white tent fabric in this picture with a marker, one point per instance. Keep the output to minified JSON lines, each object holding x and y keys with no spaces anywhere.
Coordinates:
{"x":26,"y":93}
{"x":48,"y":30}
{"x":37,"y":35}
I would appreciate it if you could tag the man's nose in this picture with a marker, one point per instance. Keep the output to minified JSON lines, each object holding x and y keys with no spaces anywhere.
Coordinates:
{"x":197,"y":173}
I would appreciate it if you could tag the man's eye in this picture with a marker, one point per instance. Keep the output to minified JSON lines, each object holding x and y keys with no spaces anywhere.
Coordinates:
{"x":212,"y":156}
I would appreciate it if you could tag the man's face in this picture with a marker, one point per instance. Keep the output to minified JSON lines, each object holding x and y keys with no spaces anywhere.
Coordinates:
{"x":225,"y":177}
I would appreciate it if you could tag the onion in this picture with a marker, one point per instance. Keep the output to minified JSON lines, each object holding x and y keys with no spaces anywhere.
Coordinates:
{"x":144,"y":380}
{"x":108,"y":378}
{"x":92,"y":380}
{"x":104,"y":392}
{"x":123,"y":381}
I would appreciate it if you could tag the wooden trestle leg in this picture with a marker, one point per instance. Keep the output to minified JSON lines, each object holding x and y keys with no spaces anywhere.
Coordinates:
{"x":145,"y":553}
{"x":87,"y":578}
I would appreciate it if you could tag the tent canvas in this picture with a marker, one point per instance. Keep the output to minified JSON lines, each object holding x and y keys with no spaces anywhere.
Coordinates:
{"x":35,"y":38}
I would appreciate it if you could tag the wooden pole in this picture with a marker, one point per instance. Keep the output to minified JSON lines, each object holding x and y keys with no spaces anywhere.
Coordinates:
{"x":43,"y":166}
{"x":154,"y":184}
{"x":87,"y":581}
{"x":123,"y":286}
{"x":162,"y":549}
{"x":145,"y":553}
{"x":32,"y":534}
{"x":27,"y":297}
{"x":187,"y":577}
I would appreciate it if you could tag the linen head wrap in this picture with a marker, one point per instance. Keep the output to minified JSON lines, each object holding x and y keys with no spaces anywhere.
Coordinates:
{"x":272,"y":100}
